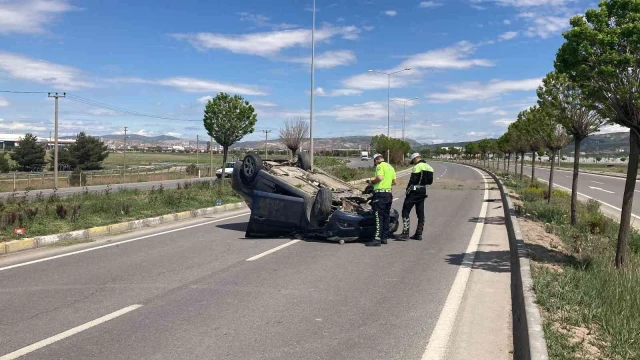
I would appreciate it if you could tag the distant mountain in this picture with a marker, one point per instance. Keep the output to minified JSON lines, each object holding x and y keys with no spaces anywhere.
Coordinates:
{"x":604,"y":144}
{"x":133,"y":137}
{"x":345,"y":142}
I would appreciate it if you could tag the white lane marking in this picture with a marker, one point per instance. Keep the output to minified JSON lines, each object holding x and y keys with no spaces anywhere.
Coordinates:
{"x":40,"y":344}
{"x":589,"y":174}
{"x":597,"y":188}
{"x":119,"y":243}
{"x":444,"y":173}
{"x":394,"y":199}
{"x":589,"y":197}
{"x":272,"y":250}
{"x":439,"y":340}
{"x":596,"y":182}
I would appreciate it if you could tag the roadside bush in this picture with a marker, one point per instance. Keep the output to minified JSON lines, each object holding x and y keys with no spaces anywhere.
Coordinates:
{"x":532,"y":194}
{"x":553,"y":213}
{"x":634,"y":242}
{"x":192,"y":169}
{"x":4,"y":163}
{"x":595,"y":223}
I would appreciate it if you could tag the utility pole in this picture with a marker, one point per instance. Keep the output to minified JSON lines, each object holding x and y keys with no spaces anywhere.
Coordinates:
{"x":266,"y":133}
{"x":124,"y":154}
{"x":313,"y":51}
{"x":211,"y":156}
{"x":55,"y":139}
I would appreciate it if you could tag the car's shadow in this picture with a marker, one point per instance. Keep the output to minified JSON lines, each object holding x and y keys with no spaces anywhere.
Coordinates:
{"x":241,"y":226}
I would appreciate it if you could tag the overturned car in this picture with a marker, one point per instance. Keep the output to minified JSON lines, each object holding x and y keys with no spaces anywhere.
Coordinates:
{"x":287,"y":198}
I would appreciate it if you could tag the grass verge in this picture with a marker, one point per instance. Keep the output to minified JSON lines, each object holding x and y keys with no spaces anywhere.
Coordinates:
{"x":590,"y":310}
{"x":54,"y":214}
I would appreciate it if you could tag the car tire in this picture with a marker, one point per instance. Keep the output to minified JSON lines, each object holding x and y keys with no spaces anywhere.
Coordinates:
{"x":321,"y":208}
{"x":304,"y":162}
{"x":251,"y":166}
{"x":394,"y":225}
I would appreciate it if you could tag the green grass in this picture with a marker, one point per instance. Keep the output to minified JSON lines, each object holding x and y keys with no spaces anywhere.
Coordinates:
{"x":42,"y":216}
{"x":589,"y":292}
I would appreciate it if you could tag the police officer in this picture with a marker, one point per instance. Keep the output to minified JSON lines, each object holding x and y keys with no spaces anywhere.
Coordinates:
{"x":382,"y":199}
{"x":421,"y":176}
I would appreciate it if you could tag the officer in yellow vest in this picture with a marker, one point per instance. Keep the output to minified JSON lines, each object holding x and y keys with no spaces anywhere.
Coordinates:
{"x":382,"y":199}
{"x":421,"y":176}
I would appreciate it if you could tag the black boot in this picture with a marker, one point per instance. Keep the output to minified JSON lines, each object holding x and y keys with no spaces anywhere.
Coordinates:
{"x":374,"y":242}
{"x":418,"y":234}
{"x":405,"y":230}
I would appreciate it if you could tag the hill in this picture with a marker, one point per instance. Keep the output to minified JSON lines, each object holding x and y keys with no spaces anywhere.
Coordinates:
{"x":345,"y":142}
{"x":132,"y":137}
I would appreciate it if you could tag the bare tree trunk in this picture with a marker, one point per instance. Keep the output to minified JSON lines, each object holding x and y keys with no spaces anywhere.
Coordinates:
{"x":533,"y":168}
{"x":515,"y":169}
{"x":508,"y":168}
{"x":627,"y":201}
{"x":521,"y":165}
{"x":553,"y":166}
{"x":574,"y":184}
{"x":225,"y":151}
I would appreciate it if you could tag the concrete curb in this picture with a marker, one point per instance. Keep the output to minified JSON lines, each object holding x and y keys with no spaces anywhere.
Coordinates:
{"x":46,"y":240}
{"x":528,"y":335}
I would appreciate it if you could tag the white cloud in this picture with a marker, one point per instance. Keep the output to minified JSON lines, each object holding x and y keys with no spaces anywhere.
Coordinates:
{"x":144,"y":132}
{"x":391,"y":13}
{"x":266,"y":43}
{"x":263,"y":21}
{"x":368,"y":28}
{"x":204,"y":99}
{"x":102,"y":112}
{"x":366,"y":111}
{"x":547,"y":26}
{"x":452,"y":57}
{"x":615,"y":128}
{"x":478,"y":134}
{"x":369,"y":81}
{"x":4,"y":102}
{"x":21,"y":126}
{"x":30,"y":16}
{"x":508,"y":36}
{"x":43,"y":72}
{"x":483,"y":111}
{"x":476,"y":91}
{"x":328,"y":59}
{"x":175,"y":134}
{"x":192,"y":85}
{"x":337,"y":92}
{"x":429,"y":4}
{"x":503,"y":122}
{"x":263,"y":103}
{"x":506,"y":22}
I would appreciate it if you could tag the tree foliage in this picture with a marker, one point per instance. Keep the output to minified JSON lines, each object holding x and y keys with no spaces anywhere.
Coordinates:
{"x":29,"y":154}
{"x":87,"y":153}
{"x":396,"y":147}
{"x":4,"y":163}
{"x":471,"y":149}
{"x":294,"y":132}
{"x":228,"y":119}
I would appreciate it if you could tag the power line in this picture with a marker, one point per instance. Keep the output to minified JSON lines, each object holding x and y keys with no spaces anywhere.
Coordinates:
{"x":23,"y":92}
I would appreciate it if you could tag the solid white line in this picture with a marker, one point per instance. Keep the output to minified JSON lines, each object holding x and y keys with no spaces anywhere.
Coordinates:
{"x":40,"y":344}
{"x":597,"y":188}
{"x":596,"y":182}
{"x":439,"y":340}
{"x":589,"y":197}
{"x":119,"y":243}
{"x":272,"y":250}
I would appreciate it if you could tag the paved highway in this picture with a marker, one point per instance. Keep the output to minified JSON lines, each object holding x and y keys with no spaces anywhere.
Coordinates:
{"x":200,"y":290}
{"x":606,"y":189}
{"x":358,"y":163}
{"x":167,"y":184}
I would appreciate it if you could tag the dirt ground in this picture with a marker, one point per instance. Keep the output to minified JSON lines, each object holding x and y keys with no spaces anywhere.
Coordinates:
{"x":547,"y":250}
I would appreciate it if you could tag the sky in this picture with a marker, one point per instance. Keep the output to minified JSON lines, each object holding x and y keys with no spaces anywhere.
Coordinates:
{"x":474,"y":64}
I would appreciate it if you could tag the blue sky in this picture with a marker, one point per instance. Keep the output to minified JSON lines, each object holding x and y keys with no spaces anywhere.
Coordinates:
{"x":474,"y":63}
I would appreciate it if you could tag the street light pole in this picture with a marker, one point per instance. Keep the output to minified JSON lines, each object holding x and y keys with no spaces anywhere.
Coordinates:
{"x":313,"y":50}
{"x":404,"y":103}
{"x":55,"y":139}
{"x":389,"y":101}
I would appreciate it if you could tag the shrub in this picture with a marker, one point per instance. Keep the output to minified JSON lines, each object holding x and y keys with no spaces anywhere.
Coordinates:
{"x":192,"y":169}
{"x":532,"y":194}
{"x":634,"y":242}
{"x":553,"y":213}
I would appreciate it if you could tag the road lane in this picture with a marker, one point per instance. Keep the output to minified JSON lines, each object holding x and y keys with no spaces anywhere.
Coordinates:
{"x":202,"y":299}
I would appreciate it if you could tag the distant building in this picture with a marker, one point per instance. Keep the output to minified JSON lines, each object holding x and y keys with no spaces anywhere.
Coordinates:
{"x":9,"y":141}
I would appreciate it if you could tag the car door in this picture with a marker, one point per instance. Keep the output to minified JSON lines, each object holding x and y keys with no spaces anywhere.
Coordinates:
{"x":275,"y":214}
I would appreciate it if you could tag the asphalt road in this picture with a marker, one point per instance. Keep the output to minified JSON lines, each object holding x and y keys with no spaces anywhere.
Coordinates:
{"x":358,"y":163}
{"x":167,"y":184}
{"x":187,"y":291}
{"x":606,"y":189}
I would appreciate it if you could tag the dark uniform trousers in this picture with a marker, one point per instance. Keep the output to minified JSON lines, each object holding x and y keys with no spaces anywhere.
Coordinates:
{"x":381,"y":206}
{"x":414,"y":198}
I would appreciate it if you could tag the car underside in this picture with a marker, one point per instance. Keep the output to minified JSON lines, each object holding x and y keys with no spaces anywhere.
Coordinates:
{"x":287,"y":198}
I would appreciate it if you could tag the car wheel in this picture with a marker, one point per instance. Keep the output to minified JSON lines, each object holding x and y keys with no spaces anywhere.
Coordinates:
{"x":251,"y":166}
{"x":321,"y":208}
{"x":304,"y":162}
{"x":394,"y":225}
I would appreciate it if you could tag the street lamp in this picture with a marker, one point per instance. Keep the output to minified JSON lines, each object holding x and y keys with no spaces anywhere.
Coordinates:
{"x":404,"y":103}
{"x":389,"y":99}
{"x":313,"y":50}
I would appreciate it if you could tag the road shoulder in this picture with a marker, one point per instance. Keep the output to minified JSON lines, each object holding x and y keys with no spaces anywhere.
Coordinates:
{"x":483,"y":328}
